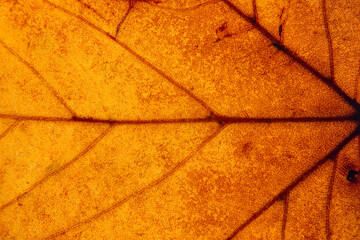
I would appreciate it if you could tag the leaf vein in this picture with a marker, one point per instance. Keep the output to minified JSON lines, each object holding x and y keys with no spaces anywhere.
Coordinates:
{"x":39,"y":76}
{"x":146,"y":188}
{"x":140,"y":58}
{"x":212,"y":118}
{"x":331,"y":84}
{"x":294,"y":183}
{"x":9,"y":129}
{"x":57,"y":171}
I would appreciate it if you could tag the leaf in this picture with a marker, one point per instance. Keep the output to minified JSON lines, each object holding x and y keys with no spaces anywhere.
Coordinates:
{"x":179,"y":119}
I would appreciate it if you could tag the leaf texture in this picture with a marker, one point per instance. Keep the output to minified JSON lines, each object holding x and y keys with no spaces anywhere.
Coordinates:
{"x":179,"y":119}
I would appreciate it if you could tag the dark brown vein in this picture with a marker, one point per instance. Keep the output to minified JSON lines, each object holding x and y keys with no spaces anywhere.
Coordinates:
{"x":294,"y":183}
{"x":62,"y":101}
{"x":284,"y":220}
{"x":328,"y":200}
{"x":187,"y":9}
{"x":328,"y":36}
{"x":238,"y":33}
{"x":130,"y":7}
{"x":256,"y":18}
{"x":283,"y":17}
{"x":211,"y":118}
{"x":9,"y":129}
{"x":189,"y":93}
{"x":331,"y":84}
{"x":283,"y":120}
{"x":140,"y":58}
{"x":143,"y":190}
{"x":91,"y":9}
{"x":57,"y":171}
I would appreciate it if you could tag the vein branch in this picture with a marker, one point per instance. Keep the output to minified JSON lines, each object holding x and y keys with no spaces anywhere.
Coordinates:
{"x":256,"y":17}
{"x":87,"y":149}
{"x":284,"y":220}
{"x":91,"y":9}
{"x":62,"y":101}
{"x":294,"y":183}
{"x":329,"y":197}
{"x":127,"y":48}
{"x":328,"y":36}
{"x":185,"y":9}
{"x":329,"y":82}
{"x":9,"y":129}
{"x":131,"y":5}
{"x":145,"y":189}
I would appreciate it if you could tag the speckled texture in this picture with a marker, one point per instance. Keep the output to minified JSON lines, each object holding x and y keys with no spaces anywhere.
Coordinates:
{"x":241,"y":74}
{"x":218,"y":187}
{"x":267,"y":226}
{"x":168,"y":119}
{"x":306,"y":216}
{"x":345,"y":196}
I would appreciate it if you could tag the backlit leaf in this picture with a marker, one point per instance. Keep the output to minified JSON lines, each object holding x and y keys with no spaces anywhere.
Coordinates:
{"x":168,"y":119}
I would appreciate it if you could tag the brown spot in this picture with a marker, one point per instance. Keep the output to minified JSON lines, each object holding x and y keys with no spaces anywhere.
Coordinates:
{"x":222,"y":32}
{"x":352,"y":176}
{"x":347,"y":167}
{"x":244,"y":150}
{"x":247,"y":148}
{"x":221,"y":28}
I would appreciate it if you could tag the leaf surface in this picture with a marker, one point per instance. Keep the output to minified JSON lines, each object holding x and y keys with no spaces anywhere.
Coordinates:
{"x":179,"y":119}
